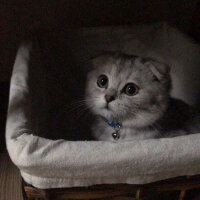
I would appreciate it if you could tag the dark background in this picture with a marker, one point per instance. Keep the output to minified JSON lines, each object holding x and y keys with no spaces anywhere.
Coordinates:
{"x":19,"y":18}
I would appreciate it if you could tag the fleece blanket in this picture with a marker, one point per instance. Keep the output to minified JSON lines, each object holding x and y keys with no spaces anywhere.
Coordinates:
{"x":47,"y":163}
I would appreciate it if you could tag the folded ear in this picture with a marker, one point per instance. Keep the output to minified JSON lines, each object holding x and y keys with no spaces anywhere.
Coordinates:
{"x":160,"y":70}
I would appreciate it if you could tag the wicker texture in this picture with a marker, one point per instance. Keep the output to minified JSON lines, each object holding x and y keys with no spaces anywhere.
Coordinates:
{"x":117,"y":191}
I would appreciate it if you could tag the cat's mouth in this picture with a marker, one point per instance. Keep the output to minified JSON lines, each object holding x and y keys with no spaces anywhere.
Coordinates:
{"x":106,"y":110}
{"x":107,"y":107}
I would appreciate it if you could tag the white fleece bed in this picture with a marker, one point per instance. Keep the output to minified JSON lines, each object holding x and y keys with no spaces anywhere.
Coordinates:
{"x":46,"y":163}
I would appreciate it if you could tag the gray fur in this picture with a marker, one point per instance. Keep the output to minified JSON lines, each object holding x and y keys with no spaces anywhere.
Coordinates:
{"x":151,"y":113}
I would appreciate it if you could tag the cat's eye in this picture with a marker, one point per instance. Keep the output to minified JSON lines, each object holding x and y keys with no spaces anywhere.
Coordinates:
{"x":102,"y":81}
{"x":131,"y":89}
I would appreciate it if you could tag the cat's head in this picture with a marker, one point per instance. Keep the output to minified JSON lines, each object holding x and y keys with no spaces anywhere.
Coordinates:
{"x":123,"y":87}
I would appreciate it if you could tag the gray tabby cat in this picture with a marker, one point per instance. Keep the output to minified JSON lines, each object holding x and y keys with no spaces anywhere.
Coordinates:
{"x":130,"y":97}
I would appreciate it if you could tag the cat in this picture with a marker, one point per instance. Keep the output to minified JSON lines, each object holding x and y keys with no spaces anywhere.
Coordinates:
{"x":130,"y":97}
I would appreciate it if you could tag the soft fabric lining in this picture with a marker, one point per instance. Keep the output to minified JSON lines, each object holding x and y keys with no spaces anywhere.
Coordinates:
{"x":46,"y":163}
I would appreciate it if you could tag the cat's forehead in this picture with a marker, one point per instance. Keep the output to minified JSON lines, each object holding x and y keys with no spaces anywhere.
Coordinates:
{"x":122,"y":68}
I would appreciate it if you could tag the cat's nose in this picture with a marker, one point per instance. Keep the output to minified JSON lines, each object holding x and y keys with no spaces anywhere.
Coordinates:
{"x":109,"y":98}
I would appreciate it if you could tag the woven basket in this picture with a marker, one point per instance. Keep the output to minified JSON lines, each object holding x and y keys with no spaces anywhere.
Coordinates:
{"x":169,"y":189}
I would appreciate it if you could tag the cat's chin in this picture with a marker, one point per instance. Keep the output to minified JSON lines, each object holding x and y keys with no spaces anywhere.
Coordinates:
{"x":106,"y":113}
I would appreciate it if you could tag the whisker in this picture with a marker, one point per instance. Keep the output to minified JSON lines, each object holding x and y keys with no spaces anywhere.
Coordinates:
{"x":81,"y":112}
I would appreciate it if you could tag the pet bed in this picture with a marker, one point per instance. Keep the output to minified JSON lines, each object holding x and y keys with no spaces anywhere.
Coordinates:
{"x":46,"y":163}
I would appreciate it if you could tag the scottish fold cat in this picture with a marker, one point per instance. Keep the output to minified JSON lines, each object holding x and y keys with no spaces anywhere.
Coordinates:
{"x":130,"y":97}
